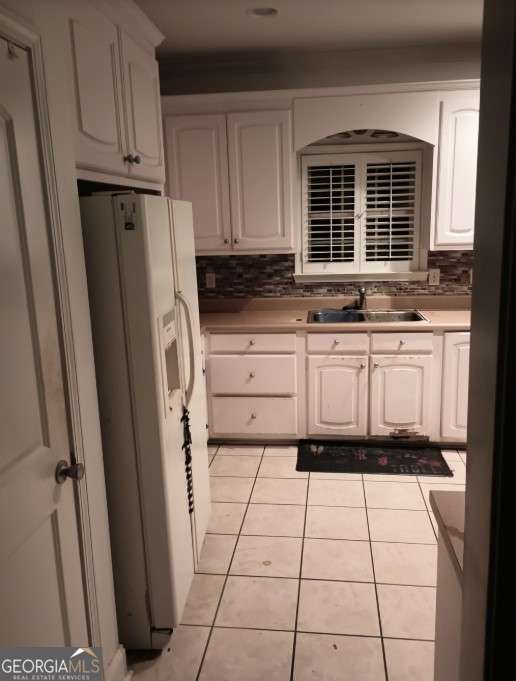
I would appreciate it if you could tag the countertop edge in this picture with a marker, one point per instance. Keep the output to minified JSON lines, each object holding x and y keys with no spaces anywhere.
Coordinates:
{"x":449,"y":511}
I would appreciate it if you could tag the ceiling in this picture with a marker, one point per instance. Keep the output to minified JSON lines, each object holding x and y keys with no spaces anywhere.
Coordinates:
{"x":201,"y":26}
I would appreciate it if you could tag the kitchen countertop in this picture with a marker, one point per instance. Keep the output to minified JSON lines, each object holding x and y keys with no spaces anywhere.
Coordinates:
{"x":449,"y":508}
{"x":277,"y":320}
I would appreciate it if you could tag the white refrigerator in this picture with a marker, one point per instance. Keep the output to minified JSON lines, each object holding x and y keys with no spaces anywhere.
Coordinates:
{"x":142,"y":286}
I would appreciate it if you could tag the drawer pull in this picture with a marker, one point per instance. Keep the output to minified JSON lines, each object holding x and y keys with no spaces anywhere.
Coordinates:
{"x":375,"y":365}
{"x":253,"y":416}
{"x":336,"y":341}
{"x":402,"y":343}
{"x":252,"y":342}
{"x":362,"y":366}
{"x":252,"y":374}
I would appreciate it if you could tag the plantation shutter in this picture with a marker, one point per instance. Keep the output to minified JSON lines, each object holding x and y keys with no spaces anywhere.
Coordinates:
{"x":330,"y":213}
{"x":361,"y":212}
{"x":390,"y":211}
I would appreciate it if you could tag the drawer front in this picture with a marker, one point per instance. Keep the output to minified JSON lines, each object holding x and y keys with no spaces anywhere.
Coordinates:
{"x":252,"y":375}
{"x":337,"y":343}
{"x":253,"y":416}
{"x":252,"y":342}
{"x":389,"y":343}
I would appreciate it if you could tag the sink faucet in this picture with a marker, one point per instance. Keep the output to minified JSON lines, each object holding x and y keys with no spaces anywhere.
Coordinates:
{"x":360,"y":303}
{"x":362,"y":298}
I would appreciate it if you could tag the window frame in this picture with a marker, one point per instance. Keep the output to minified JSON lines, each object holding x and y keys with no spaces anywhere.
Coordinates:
{"x":415,"y":269}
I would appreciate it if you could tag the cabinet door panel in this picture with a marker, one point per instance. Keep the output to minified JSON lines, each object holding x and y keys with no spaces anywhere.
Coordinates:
{"x":260,"y":180}
{"x":454,"y":409}
{"x":100,"y":138}
{"x":143,"y":110}
{"x":337,"y":395}
{"x":197,"y":165}
{"x":457,"y":171}
{"x":401,"y":394}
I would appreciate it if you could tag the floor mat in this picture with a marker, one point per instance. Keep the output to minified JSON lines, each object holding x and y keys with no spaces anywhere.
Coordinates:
{"x":391,"y":458}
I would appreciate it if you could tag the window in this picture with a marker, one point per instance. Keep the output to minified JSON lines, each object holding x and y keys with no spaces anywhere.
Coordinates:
{"x":361,"y":212}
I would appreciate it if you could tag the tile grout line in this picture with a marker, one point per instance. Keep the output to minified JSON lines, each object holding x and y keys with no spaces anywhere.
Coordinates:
{"x":227,"y":571}
{"x":316,"y":579}
{"x":294,"y":642}
{"x":314,"y":633}
{"x":375,"y":584}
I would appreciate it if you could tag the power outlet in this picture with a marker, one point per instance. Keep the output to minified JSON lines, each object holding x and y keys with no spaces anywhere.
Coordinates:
{"x":210,"y":280}
{"x":434,"y":277}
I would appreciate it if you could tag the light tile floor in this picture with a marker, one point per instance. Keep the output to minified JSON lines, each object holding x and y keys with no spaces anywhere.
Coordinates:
{"x":320,"y":576}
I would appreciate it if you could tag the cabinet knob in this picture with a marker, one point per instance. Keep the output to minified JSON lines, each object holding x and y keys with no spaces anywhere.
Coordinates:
{"x":252,"y":342}
{"x":226,"y":241}
{"x":402,"y":342}
{"x":236,"y":241}
{"x":137,"y":159}
{"x":375,"y":365}
{"x":252,"y":374}
{"x":336,"y":341}
{"x":129,"y":158}
{"x":362,"y":365}
{"x":253,"y":416}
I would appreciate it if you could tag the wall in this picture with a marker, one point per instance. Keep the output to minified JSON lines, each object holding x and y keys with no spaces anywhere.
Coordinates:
{"x":248,"y":276}
{"x":233,"y":72}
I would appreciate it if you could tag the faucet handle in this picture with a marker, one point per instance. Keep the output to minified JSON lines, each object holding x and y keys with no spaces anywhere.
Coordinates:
{"x":362,"y":290}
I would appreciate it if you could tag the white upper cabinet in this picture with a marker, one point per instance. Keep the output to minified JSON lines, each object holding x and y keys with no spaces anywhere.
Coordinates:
{"x":457,"y":170}
{"x":337,"y":395}
{"x":117,"y":99}
{"x":236,"y":169}
{"x":401,"y":394}
{"x":197,"y":163}
{"x":454,"y":406}
{"x":260,"y":179}
{"x":100,"y":140}
{"x":143,"y":111}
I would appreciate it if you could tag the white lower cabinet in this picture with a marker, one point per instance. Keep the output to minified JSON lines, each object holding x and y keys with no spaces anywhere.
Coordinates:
{"x":401,"y":394}
{"x":337,"y":395}
{"x":283,"y":385}
{"x":454,"y":403}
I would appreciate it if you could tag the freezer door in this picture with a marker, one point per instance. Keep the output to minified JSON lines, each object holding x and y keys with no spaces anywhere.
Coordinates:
{"x":191,"y":360}
{"x":146,"y":265}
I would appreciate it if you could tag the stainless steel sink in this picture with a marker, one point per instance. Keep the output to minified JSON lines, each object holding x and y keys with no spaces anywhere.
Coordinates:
{"x":330,"y":316}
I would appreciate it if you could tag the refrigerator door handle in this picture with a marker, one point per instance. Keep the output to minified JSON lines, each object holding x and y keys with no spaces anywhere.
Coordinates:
{"x":191,"y":381}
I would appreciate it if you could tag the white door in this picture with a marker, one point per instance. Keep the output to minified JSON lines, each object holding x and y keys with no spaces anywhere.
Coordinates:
{"x":337,"y":395}
{"x":143,"y":111}
{"x":454,"y":407}
{"x":41,"y":585}
{"x":260,"y":169}
{"x":191,"y":354}
{"x":197,"y":168}
{"x":101,"y":135}
{"x":457,"y":169}
{"x":401,"y":394}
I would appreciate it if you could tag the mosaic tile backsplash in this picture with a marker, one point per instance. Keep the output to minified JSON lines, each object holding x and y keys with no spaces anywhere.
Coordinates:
{"x":253,"y":276}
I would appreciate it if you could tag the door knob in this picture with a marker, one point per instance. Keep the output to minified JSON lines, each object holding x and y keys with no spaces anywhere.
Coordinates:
{"x":64,"y":470}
